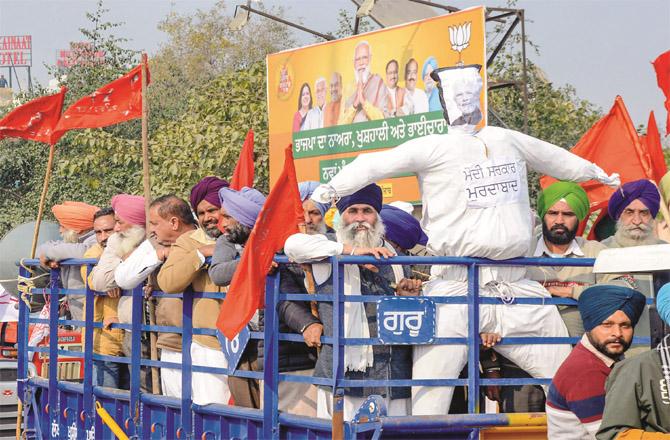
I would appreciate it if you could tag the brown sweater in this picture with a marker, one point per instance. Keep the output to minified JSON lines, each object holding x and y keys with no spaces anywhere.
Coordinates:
{"x":182,"y":269}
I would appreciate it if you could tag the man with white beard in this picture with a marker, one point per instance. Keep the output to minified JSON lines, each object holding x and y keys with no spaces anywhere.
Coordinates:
{"x":367,"y":102}
{"x":76,"y":227}
{"x":634,"y":207}
{"x":475,"y":203}
{"x":314,"y":117}
{"x":129,"y":232}
{"x":360,"y":232}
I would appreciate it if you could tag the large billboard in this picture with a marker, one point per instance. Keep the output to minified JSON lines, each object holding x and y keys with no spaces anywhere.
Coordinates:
{"x":16,"y":51}
{"x":337,"y":99}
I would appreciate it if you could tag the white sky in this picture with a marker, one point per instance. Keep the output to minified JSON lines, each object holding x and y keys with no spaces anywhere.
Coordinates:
{"x":602,"y":47}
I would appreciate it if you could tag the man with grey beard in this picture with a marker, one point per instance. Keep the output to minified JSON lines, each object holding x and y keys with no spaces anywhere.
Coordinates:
{"x":129,"y":232}
{"x":359,"y":232}
{"x":634,"y":207}
{"x":76,"y":227}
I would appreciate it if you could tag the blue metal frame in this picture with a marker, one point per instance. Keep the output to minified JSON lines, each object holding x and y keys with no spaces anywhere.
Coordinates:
{"x":53,"y":406}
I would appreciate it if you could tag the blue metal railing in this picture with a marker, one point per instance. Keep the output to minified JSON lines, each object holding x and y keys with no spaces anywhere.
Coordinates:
{"x":183,"y":418}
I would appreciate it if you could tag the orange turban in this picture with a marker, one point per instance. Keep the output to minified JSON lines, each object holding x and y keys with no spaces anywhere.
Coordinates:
{"x":77,"y":216}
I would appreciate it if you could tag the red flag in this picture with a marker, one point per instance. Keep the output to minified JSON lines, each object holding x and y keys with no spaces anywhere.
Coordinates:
{"x":651,"y":142}
{"x":662,"y":67}
{"x":244,"y":170}
{"x":35,"y":120}
{"x":279,"y":219}
{"x":118,"y":101}
{"x":614,"y":145}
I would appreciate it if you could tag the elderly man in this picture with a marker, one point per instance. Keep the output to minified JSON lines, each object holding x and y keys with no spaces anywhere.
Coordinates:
{"x":185,"y":268}
{"x":76,"y":228}
{"x":369,"y":98}
{"x":314,"y":211}
{"x":106,"y":341}
{"x":315,"y":115}
{"x":360,"y":232}
{"x":475,"y":203}
{"x":169,"y":218}
{"x":577,"y":393}
{"x":129,"y":232}
{"x":429,"y":84}
{"x":637,"y":403}
{"x":396,"y":95}
{"x":634,"y":207}
{"x":333,"y":110}
{"x":416,"y":100}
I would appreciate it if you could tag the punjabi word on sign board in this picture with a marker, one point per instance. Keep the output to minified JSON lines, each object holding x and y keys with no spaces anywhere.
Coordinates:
{"x":405,"y":320}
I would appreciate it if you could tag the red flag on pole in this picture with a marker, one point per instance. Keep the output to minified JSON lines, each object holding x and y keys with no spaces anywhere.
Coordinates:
{"x":244,"y":170}
{"x":662,"y":67}
{"x":614,"y":145}
{"x":651,"y":142}
{"x":118,"y":101}
{"x":35,"y":120}
{"x":278,"y":220}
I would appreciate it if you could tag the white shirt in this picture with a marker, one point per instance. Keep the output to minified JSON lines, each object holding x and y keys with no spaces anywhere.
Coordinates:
{"x":415,"y":102}
{"x":453,"y":224}
{"x":573,"y":249}
{"x":137,"y":267}
{"x":314,"y":119}
{"x":131,"y":272}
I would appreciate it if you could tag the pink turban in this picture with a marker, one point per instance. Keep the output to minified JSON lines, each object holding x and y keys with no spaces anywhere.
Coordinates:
{"x":130,"y":208}
{"x":77,"y":216}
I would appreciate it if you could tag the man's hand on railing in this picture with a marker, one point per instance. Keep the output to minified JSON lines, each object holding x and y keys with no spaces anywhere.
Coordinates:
{"x":207,"y":250}
{"x":408,"y":287}
{"x":107,"y":322}
{"x":114,"y":292}
{"x":49,"y":264}
{"x":560,"y":291}
{"x":489,"y":340}
{"x":312,"y":335}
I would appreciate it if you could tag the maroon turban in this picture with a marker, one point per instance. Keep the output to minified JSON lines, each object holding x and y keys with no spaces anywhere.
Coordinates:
{"x":130,"y":209}
{"x":207,"y":189}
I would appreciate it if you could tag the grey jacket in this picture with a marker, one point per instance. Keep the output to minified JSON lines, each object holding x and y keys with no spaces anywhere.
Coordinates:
{"x":57,"y":250}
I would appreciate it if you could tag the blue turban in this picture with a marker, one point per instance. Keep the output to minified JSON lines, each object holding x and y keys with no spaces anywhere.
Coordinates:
{"x":369,"y":195}
{"x":597,"y":303}
{"x":306,"y":189}
{"x":243,"y":205}
{"x":431,"y":61}
{"x":402,"y":228}
{"x":641,"y":189}
{"x":663,"y":303}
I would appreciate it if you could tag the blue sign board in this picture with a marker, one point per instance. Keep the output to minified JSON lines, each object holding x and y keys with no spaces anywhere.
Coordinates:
{"x":233,"y":350}
{"x":405,"y":320}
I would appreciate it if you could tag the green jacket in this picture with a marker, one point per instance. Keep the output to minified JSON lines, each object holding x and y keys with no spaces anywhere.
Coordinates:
{"x":637,"y":397}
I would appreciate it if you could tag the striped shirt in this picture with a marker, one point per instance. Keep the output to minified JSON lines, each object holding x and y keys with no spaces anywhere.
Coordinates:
{"x":576,"y":398}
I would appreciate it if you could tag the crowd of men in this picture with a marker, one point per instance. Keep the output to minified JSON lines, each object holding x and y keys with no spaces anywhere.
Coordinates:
{"x":196,"y":246}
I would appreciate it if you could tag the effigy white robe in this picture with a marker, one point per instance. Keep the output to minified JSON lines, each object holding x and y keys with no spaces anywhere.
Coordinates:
{"x":475,"y":203}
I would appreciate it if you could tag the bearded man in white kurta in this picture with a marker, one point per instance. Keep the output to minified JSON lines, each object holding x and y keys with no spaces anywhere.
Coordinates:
{"x":475,"y":203}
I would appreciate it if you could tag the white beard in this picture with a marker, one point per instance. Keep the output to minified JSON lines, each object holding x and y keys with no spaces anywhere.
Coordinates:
{"x":363,"y":77}
{"x":130,"y":239}
{"x":629,"y":235}
{"x":70,"y":236}
{"x":371,"y":237}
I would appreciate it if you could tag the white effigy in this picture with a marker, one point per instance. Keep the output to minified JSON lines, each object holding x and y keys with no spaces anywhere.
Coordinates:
{"x":474,"y":192}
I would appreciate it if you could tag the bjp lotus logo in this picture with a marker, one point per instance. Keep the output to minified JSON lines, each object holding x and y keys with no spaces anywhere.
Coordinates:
{"x":459,"y":36}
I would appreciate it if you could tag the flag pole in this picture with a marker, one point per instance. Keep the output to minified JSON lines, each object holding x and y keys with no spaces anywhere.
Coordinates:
{"x":43,"y":197}
{"x":146,"y":180}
